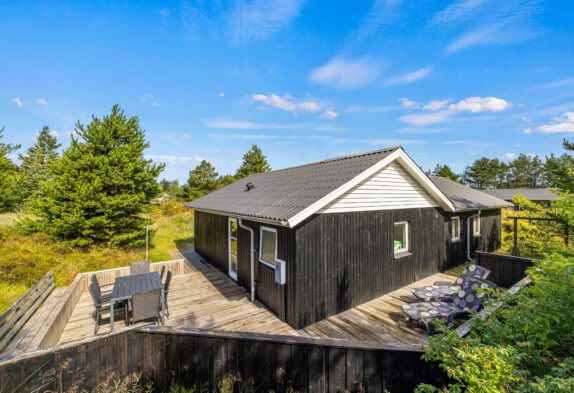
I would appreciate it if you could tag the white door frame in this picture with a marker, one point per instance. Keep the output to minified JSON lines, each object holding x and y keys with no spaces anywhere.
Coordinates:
{"x":232,"y":273}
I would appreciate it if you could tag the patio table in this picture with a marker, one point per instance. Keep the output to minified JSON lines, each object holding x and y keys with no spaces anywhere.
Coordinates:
{"x":431,"y":292}
{"x":126,"y":286}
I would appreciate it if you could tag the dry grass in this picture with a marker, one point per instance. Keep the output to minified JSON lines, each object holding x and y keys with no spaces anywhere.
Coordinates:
{"x":24,"y":259}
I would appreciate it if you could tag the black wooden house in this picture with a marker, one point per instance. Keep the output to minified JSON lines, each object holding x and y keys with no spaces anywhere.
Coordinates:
{"x":314,"y":240}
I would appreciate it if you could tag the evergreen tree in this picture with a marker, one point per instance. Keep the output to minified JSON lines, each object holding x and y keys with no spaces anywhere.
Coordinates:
{"x":559,"y":172}
{"x":8,"y":173}
{"x":445,"y":171}
{"x":225,"y":180}
{"x":102,"y":185}
{"x":254,"y":162}
{"x":525,"y":172}
{"x":35,"y":164}
{"x":202,"y":180}
{"x":485,"y":173}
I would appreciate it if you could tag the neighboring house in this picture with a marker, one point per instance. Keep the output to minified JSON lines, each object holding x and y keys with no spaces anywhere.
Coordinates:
{"x":542,"y":196}
{"x":314,"y":240}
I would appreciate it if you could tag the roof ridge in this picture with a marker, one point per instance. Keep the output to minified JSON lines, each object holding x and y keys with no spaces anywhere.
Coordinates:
{"x":368,"y":153}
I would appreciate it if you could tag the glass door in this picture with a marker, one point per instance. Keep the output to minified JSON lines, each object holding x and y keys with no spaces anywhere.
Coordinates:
{"x":232,"y":230}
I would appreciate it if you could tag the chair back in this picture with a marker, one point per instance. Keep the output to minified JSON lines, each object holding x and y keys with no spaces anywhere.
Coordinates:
{"x":146,"y":305}
{"x":472,"y":297}
{"x":469,"y":273}
{"x":139,"y":268}
{"x":95,"y":294}
{"x":167,"y":282}
{"x":162,"y":272}
{"x":96,"y":284}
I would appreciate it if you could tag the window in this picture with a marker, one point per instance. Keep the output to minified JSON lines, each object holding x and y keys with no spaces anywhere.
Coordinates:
{"x":455,"y":229}
{"x":401,"y":237}
{"x":268,"y":246}
{"x":476,"y":226}
{"x":233,"y":248}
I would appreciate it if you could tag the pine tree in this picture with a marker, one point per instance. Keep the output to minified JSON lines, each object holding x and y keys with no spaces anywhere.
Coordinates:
{"x":445,"y":171}
{"x":102,"y":185}
{"x":485,"y":173}
{"x":202,"y":180}
{"x":525,"y":171}
{"x":254,"y":162}
{"x":35,"y":164}
{"x":8,"y":173}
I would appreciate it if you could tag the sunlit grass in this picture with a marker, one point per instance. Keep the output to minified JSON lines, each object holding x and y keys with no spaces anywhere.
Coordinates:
{"x":24,"y":259}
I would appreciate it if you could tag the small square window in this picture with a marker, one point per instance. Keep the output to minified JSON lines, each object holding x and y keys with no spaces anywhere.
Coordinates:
{"x":401,"y":237}
{"x":268,"y":246}
{"x":455,"y":229}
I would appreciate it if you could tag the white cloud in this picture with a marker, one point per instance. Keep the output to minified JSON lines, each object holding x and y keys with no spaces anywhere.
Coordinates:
{"x":527,"y":130}
{"x":286,"y":103}
{"x":330,"y":115}
{"x":259,"y":19}
{"x":409,"y":77}
{"x":346,"y":73}
{"x":242,"y":137}
{"x":42,"y":101}
{"x":155,"y":104}
{"x":405,"y":102}
{"x":424,"y":119}
{"x":435,"y":105}
{"x":481,"y":104}
{"x":173,"y":161}
{"x":221,"y":94}
{"x":19,"y":103}
{"x":146,"y":98}
{"x":455,"y":12}
{"x":247,"y":125}
{"x":562,"y":124}
{"x":510,"y":156}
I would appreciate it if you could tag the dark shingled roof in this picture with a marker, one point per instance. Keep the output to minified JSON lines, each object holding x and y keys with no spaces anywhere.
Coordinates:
{"x":281,"y":194}
{"x":534,"y":194}
{"x":466,"y":198}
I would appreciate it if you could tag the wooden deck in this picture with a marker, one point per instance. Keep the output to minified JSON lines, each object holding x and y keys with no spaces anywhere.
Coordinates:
{"x":380,"y":319}
{"x":208,"y":299}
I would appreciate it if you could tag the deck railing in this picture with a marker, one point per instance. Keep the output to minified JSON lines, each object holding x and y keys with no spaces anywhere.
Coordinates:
{"x":505,"y":270}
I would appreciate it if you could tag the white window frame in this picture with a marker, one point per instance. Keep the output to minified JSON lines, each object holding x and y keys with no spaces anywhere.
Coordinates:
{"x":261,"y":260}
{"x":476,"y":220}
{"x":407,"y":240}
{"x":454,"y":237}
{"x":232,"y":274}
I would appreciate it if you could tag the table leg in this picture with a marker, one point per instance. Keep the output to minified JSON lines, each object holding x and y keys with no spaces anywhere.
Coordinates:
{"x":112,"y":316}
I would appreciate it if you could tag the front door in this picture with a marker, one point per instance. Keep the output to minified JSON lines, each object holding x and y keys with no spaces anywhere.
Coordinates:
{"x":232,"y":241}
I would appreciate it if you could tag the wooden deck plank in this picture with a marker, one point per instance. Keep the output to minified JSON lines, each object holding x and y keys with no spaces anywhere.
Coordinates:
{"x":209,"y":299}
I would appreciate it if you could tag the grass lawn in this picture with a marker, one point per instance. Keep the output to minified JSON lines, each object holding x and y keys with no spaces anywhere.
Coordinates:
{"x":24,"y":259}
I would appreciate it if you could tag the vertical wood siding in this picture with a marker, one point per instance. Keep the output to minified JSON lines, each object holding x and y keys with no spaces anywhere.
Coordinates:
{"x":390,"y":188}
{"x":345,"y":259}
{"x":211,"y":239}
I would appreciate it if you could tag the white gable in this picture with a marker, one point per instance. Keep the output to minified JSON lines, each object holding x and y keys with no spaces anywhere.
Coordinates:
{"x":392,"y":187}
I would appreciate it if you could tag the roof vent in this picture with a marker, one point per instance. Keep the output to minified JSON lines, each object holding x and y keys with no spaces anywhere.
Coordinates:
{"x":249,"y":186}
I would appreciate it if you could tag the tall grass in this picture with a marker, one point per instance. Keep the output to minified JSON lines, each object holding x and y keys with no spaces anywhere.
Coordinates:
{"x":25,"y":258}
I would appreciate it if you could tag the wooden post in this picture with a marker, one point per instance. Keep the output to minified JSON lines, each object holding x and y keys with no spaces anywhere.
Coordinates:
{"x":515,"y":248}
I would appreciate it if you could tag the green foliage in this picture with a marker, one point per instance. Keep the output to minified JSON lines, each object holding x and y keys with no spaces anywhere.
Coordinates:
{"x":445,"y":171}
{"x":101,"y":186}
{"x":8,"y":176}
{"x":254,"y":162}
{"x":526,"y":345}
{"x":525,"y":172}
{"x":202,"y":180}
{"x":485,"y":173}
{"x":35,"y":166}
{"x":559,"y":172}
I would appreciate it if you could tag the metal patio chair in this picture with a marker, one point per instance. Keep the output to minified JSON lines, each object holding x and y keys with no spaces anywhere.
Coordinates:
{"x":145,"y":306}
{"x":139,"y":268}
{"x":102,"y":306}
{"x":162,"y":272}
{"x":165,"y":305}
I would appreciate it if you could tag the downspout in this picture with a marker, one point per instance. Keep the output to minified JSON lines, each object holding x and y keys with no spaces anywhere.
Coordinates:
{"x":468,"y":234}
{"x":251,"y":256}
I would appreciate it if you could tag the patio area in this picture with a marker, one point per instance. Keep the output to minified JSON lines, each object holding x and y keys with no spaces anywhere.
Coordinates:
{"x":208,"y":299}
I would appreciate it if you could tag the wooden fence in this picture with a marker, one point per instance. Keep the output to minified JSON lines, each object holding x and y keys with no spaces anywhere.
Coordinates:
{"x":505,"y":270}
{"x":198,"y":358}
{"x":13,"y":319}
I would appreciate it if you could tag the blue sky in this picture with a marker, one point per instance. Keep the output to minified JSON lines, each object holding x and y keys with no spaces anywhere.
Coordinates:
{"x":305,"y":80}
